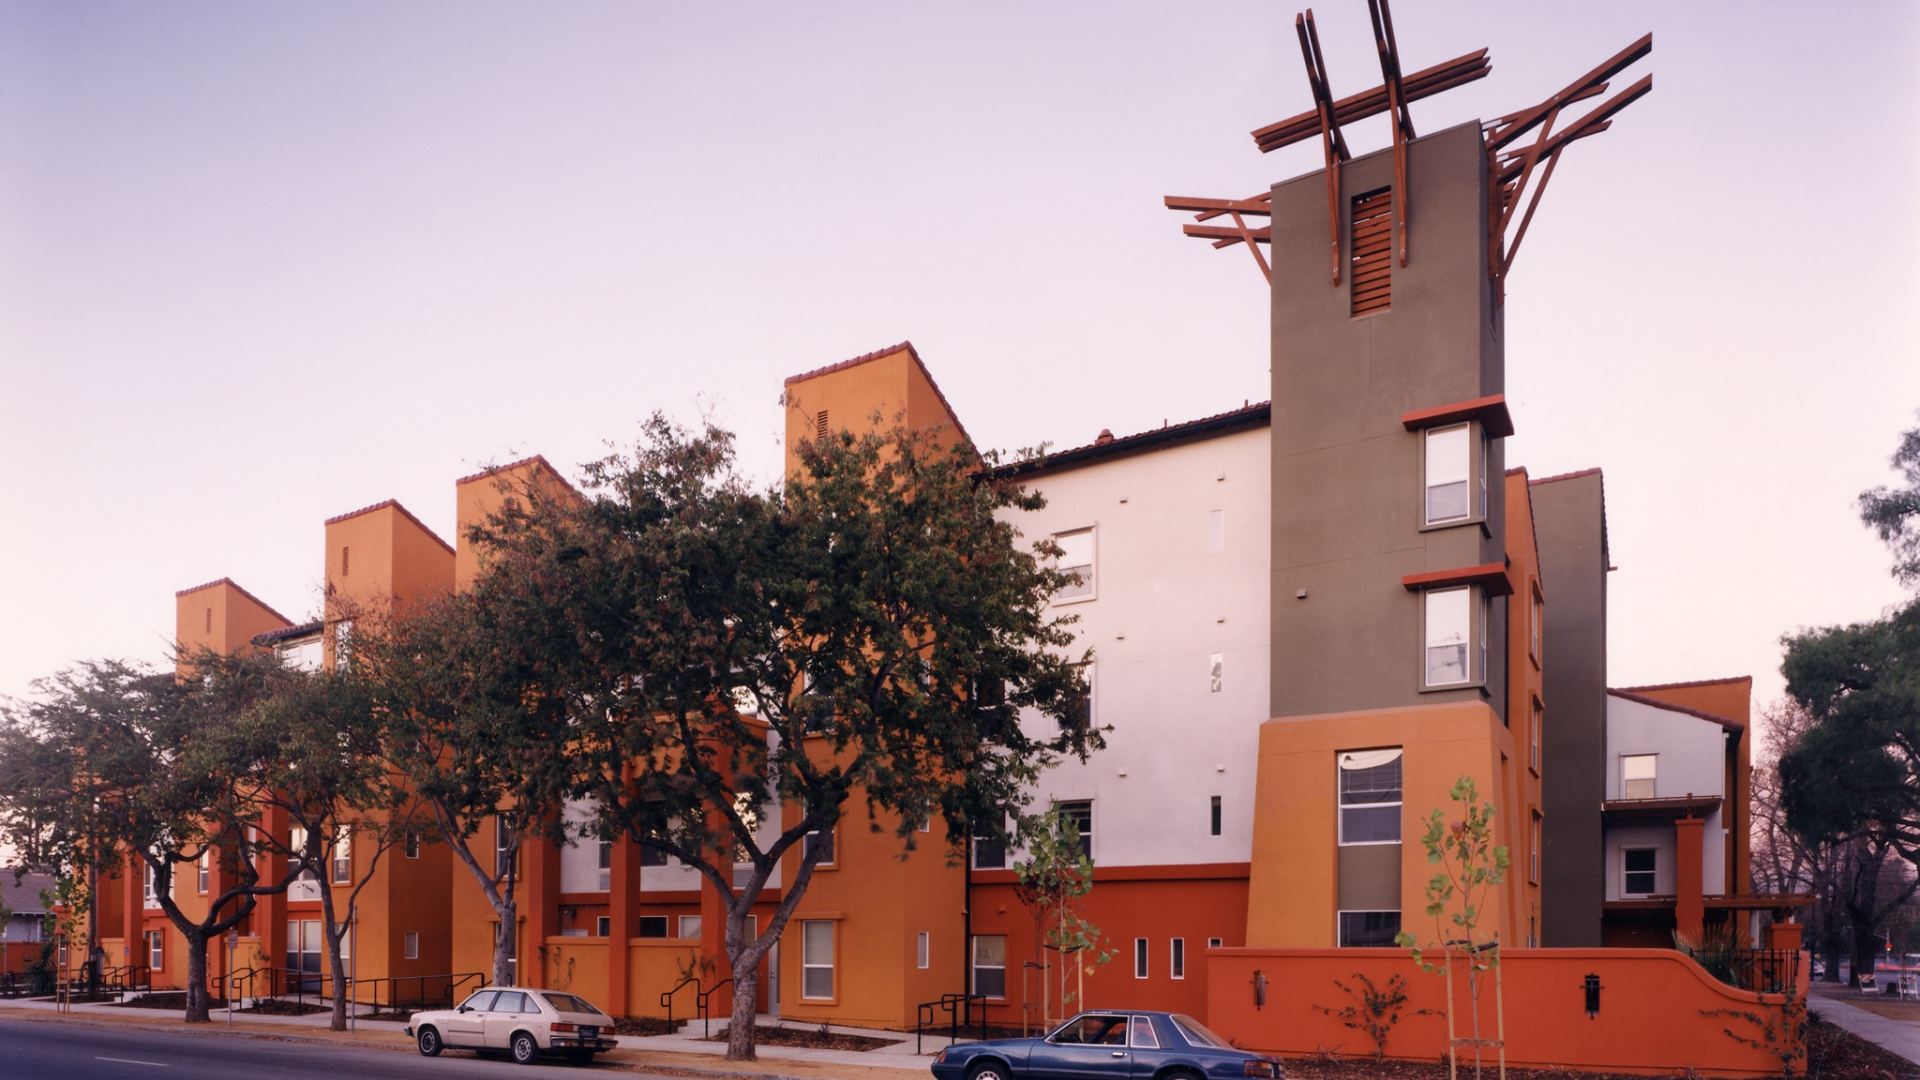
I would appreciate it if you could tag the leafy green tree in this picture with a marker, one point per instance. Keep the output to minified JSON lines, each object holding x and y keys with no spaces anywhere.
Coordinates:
{"x":1056,"y":872}
{"x":114,"y":758}
{"x":1894,"y":512}
{"x":730,"y":657}
{"x":1470,"y":869}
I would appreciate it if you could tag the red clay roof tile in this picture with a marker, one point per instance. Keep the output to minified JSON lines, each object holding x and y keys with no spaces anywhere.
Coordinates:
{"x":404,"y":512}
{"x":235,"y":586}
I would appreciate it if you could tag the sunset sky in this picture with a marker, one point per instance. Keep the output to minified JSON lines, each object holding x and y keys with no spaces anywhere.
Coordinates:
{"x":261,"y":264}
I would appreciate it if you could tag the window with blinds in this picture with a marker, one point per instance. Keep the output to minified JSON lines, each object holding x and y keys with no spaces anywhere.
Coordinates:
{"x":1369,"y":273}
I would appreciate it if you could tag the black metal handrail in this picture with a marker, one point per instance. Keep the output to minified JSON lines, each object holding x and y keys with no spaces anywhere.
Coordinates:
{"x":296,"y":983}
{"x":666,"y":999}
{"x":959,"y":1010}
{"x":706,"y":1015}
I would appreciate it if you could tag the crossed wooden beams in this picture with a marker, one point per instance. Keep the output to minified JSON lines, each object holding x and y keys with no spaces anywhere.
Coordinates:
{"x":1510,"y":171}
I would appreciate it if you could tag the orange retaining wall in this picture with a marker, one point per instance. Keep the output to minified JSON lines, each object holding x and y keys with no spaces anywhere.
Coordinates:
{"x":1650,"y":1021}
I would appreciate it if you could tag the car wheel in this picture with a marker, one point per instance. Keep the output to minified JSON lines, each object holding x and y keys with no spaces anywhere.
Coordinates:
{"x":430,"y":1045}
{"x":525,"y":1050}
{"x":988,"y":1070}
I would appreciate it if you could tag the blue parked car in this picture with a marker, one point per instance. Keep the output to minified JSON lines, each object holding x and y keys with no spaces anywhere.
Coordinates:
{"x":1110,"y":1045}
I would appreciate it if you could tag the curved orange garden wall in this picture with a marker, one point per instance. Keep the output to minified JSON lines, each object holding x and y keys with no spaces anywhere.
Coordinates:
{"x":1650,"y":1018}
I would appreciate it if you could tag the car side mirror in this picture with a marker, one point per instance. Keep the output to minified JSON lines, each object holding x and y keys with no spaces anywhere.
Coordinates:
{"x":465,"y":1008}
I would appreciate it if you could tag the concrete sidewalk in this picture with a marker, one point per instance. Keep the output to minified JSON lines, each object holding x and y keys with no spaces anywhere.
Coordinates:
{"x":686,"y":1053}
{"x":1896,"y":1036}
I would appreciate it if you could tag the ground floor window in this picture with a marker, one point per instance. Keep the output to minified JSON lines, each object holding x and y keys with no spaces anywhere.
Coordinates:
{"x":410,"y":946}
{"x":990,"y":965}
{"x":603,"y":926}
{"x":689,"y":926}
{"x":923,"y":951}
{"x":1368,"y":929}
{"x":653,"y":926}
{"x":1139,"y":958}
{"x":816,"y":958}
{"x":1178,"y":962}
{"x":157,"y":950}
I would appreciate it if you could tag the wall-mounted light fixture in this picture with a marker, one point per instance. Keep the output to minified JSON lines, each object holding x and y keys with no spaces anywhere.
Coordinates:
{"x":1592,"y":986}
{"x":1259,"y":989}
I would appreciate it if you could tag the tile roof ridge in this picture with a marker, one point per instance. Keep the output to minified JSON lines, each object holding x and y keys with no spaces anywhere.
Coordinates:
{"x":496,"y":470}
{"x":1566,"y":476}
{"x":404,"y":512}
{"x":1118,"y":443}
{"x":878,"y":354}
{"x":1533,"y":528}
{"x":1687,"y":685}
{"x":1658,"y":703}
{"x":235,"y":586}
{"x":271,"y":637}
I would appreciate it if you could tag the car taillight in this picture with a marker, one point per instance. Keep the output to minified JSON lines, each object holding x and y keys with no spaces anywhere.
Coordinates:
{"x":570,"y":1027}
{"x":1257,"y":1068}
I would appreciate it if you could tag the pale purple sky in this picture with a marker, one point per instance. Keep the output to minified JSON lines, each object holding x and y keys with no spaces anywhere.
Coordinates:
{"x":261,"y":264}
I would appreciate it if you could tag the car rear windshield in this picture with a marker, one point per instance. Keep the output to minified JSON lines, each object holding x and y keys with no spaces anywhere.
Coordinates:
{"x":569,"y":1003}
{"x":1197,"y":1033}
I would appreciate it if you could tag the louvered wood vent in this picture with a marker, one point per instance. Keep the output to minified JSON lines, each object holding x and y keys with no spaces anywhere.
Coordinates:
{"x":820,"y":425}
{"x":1370,"y":274}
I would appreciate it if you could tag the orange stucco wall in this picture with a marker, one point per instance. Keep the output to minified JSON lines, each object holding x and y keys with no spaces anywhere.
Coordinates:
{"x":1521,"y":801}
{"x":381,"y":555}
{"x":484,"y":493}
{"x":1644,"y":992}
{"x":891,"y":383}
{"x":221,"y":616}
{"x":1292,"y":886}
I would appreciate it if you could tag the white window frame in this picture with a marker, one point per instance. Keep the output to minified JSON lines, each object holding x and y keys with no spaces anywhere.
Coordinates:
{"x":410,"y":945}
{"x":1177,"y":958}
{"x":1339,"y":795}
{"x":832,"y":858}
{"x":1217,"y":530}
{"x":1086,"y":834}
{"x":1090,"y":580}
{"x":1652,"y":780}
{"x":411,"y":847}
{"x":810,"y":961}
{"x":603,"y":872}
{"x":1216,"y":673}
{"x":1535,"y":719}
{"x":688,"y":922}
{"x":1215,"y":943}
{"x":1476,"y":508}
{"x":1534,"y":830}
{"x":973,"y":971}
{"x":205,"y":870}
{"x":923,"y":950}
{"x":1536,"y":618}
{"x":341,"y":863}
{"x":1475,"y":658}
{"x":1624,"y":872}
{"x":1141,"y":947}
{"x":156,"y":950}
{"x":603,"y":926}
{"x":150,"y":894}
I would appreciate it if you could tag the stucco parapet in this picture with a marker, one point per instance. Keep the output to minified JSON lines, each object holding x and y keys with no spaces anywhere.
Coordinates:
{"x":403,"y":511}
{"x":1656,"y":703}
{"x":881,"y":354}
{"x":235,"y":586}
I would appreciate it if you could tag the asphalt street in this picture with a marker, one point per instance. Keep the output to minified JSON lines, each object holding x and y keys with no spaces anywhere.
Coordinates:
{"x":32,"y":1050}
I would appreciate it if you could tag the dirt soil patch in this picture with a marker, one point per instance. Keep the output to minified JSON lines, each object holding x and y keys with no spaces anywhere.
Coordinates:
{"x":643,"y":1025}
{"x":175,"y":1001}
{"x":398,"y":1016}
{"x":810,"y":1038}
{"x":1832,"y":1054}
{"x":276,"y":1007}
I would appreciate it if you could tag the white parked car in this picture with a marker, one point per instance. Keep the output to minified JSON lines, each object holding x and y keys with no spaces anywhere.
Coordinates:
{"x":525,"y":1023}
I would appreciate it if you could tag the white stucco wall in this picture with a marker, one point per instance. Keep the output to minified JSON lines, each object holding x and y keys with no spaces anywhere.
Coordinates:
{"x":580,"y":859}
{"x":1691,"y":760}
{"x":1164,"y":604}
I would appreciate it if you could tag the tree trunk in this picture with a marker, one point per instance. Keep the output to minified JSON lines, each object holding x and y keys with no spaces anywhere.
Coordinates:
{"x":197,"y":1010}
{"x":331,"y":935}
{"x":746,"y":987}
{"x":503,"y":948}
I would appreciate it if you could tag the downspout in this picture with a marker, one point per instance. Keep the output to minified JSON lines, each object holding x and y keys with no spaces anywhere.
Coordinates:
{"x":966,"y":922}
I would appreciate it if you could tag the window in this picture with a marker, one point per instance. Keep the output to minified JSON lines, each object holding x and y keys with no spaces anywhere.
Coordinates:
{"x":410,"y":945}
{"x":1370,"y":267}
{"x":689,"y":926}
{"x":989,"y":853}
{"x":816,"y":958}
{"x":922,"y":949}
{"x":1637,"y":871}
{"x":343,"y":857}
{"x":603,"y":927}
{"x":1449,"y":464}
{"x":302,"y":655}
{"x":1217,"y":530}
{"x":503,"y":847}
{"x":1368,"y":929}
{"x":1081,"y":711}
{"x":1080,"y":813}
{"x":1533,"y":737}
{"x":1213,"y":942}
{"x":1533,"y":848}
{"x":1093,"y":1030}
{"x":147,"y":890}
{"x":1177,"y":961}
{"x":1215,"y":830}
{"x":412,"y":848}
{"x":1449,"y":629}
{"x":653,"y":926}
{"x":820,"y":840}
{"x":1214,"y":665}
{"x":990,"y":965}
{"x":342,"y":643}
{"x":157,"y":950}
{"x":1535,"y":616}
{"x":650,"y":856}
{"x":1076,"y":557}
{"x":1139,"y":958}
{"x":1140,"y":1033}
{"x":1636,"y":776}
{"x":1370,"y":797}
{"x":205,"y":869}
{"x":604,"y":876}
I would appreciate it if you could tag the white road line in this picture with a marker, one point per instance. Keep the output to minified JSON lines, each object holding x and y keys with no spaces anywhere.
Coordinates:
{"x":131,"y":1061}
